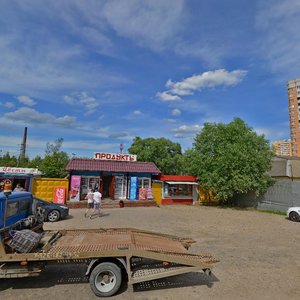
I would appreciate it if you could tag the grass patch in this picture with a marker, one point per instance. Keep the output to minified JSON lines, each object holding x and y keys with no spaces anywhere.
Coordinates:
{"x":273,"y":212}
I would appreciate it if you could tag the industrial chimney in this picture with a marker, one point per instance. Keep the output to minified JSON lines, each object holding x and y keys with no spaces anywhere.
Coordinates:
{"x":23,"y":145}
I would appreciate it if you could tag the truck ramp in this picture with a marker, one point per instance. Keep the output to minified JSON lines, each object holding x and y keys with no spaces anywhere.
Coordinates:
{"x":148,"y":255}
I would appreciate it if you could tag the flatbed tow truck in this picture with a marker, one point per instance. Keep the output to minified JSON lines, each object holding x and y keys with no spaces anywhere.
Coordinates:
{"x":111,"y":255}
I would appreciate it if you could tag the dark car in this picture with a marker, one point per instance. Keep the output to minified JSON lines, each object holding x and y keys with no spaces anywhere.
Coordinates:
{"x":52,"y":211}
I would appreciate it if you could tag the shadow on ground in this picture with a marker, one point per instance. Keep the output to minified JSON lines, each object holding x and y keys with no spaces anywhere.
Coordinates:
{"x":51,"y":276}
{"x":75,"y":273}
{"x":178,"y":281}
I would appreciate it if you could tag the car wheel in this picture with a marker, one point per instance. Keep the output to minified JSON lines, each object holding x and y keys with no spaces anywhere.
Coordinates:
{"x":293,"y":216}
{"x":53,"y":215}
{"x":105,"y":279}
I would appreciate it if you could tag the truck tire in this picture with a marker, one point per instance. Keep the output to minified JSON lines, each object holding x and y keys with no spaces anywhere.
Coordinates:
{"x":106,"y":279}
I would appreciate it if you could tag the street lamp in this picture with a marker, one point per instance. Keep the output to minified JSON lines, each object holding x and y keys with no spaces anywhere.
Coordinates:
{"x":7,"y":192}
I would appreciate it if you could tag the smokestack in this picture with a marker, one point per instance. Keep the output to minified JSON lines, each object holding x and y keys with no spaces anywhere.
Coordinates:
{"x":23,"y":145}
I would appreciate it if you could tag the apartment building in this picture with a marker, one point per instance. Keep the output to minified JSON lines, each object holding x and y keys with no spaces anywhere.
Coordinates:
{"x":283,"y":148}
{"x":294,"y":113}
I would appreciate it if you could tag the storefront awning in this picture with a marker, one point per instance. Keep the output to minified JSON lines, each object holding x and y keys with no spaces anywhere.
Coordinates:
{"x":182,"y":182}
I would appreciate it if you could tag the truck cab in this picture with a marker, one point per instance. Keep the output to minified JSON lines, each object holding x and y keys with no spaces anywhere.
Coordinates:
{"x":18,"y":207}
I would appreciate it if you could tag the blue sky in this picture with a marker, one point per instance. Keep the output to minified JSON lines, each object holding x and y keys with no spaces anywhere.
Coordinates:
{"x":100,"y":72}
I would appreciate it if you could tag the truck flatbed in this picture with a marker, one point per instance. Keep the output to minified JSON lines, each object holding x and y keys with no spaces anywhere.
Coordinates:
{"x":144,"y":255}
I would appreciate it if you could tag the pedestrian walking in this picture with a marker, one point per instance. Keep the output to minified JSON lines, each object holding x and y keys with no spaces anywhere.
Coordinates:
{"x":90,"y":204}
{"x":97,"y":203}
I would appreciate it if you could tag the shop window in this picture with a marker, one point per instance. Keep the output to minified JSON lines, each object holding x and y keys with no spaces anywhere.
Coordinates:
{"x":178,"y":190}
{"x":144,"y":182}
{"x":144,"y":188}
{"x":89,"y":182}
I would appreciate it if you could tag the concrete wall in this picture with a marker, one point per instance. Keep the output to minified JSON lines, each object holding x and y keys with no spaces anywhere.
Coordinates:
{"x":282,"y":195}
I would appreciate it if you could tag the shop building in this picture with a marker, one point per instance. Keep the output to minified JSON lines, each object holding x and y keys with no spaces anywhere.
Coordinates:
{"x":177,"y":189}
{"x":117,"y":176}
{"x":15,"y":175}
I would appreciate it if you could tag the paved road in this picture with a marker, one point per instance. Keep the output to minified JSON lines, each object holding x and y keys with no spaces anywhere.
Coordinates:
{"x":259,"y":256}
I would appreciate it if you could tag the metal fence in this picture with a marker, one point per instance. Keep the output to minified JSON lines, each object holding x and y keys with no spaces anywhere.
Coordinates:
{"x":282,"y":195}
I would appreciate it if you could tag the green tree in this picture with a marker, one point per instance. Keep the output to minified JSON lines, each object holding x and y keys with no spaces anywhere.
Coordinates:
{"x":230,"y":159}
{"x":7,"y":160}
{"x":35,"y":162}
{"x":164,"y":153}
{"x":23,"y":162}
{"x":55,"y":161}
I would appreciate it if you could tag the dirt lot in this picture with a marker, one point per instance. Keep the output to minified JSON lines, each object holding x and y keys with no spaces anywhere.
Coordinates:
{"x":259,"y":256}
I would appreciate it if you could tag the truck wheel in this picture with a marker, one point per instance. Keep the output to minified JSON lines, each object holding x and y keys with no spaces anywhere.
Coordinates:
{"x":53,"y":215}
{"x":105,"y":279}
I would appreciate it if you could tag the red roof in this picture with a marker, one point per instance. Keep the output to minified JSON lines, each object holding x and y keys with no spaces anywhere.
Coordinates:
{"x":86,"y":164}
{"x":177,"y":178}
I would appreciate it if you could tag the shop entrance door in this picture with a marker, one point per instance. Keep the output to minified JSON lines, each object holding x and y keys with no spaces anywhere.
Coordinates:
{"x":106,"y":185}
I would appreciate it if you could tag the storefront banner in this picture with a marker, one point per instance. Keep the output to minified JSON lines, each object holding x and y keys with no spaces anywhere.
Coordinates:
{"x":59,"y":195}
{"x":133,"y":188}
{"x":20,"y":170}
{"x":75,"y":188}
{"x":114,"y":156}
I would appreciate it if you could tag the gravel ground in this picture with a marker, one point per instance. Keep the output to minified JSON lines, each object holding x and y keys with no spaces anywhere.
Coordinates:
{"x":259,"y":256}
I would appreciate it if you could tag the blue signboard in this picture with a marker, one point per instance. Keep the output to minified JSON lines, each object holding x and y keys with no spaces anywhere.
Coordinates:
{"x":133,"y":188}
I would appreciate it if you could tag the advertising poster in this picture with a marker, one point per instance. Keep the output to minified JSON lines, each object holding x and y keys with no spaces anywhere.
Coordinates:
{"x":59,"y":195}
{"x":133,"y":188}
{"x":142,"y":194}
{"x":75,"y":188}
{"x":4,"y":181}
{"x":149,"y":194}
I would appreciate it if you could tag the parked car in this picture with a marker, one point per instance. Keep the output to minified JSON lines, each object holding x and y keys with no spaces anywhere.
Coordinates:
{"x":293,"y":213}
{"x":52,"y":211}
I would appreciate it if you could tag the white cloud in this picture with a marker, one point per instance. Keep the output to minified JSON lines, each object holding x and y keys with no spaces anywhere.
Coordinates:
{"x":186,"y":131}
{"x":272,"y":133}
{"x":209,"y":55}
{"x":90,"y":103}
{"x":65,"y":121}
{"x":209,"y":79}
{"x":118,"y":135}
{"x":42,"y":57}
{"x":277,"y":22}
{"x":137,"y":113}
{"x":26,"y":100}
{"x":153,"y":23}
{"x":176,"y":112}
{"x":165,"y":96}
{"x":38,"y":146}
{"x":170,"y":120}
{"x":7,"y":104}
{"x":25,"y":115}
